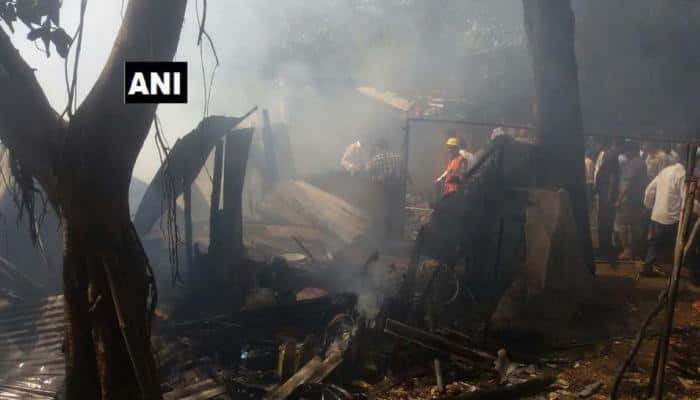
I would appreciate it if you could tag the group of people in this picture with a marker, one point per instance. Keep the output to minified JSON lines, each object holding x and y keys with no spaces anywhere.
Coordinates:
{"x":639,"y":192}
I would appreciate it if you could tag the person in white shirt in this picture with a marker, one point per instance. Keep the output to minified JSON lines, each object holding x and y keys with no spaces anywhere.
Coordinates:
{"x":673,"y":156}
{"x":664,"y":195}
{"x":468,"y":158}
{"x":603,"y":144}
{"x":353,"y":157}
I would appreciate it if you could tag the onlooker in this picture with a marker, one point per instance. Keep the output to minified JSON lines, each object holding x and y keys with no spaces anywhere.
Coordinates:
{"x":673,"y":155}
{"x":602,"y":145}
{"x":664,"y":195}
{"x":468,"y":157}
{"x":354,"y":157}
{"x":384,"y":169}
{"x":589,"y":166}
{"x":656,"y":159}
{"x":607,"y":182}
{"x":633,"y":181}
{"x":590,"y":170}
{"x":498,"y":131}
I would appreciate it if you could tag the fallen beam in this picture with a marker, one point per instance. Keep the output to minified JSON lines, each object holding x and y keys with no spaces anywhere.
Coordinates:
{"x":433,"y":342}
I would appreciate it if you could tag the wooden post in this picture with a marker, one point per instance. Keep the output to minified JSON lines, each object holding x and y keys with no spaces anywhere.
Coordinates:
{"x":271,"y":170}
{"x":686,"y":212}
{"x":187,"y":198}
{"x":235,"y":160}
{"x":215,"y":196}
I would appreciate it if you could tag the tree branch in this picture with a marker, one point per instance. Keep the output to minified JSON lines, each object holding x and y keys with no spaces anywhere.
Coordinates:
{"x":29,"y":126}
{"x":150,"y":32}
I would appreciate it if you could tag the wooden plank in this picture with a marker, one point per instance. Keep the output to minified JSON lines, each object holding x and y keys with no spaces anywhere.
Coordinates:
{"x":315,"y":371}
{"x":189,"y":390}
{"x":216,"y":194}
{"x":207,"y":394}
{"x":235,"y":161}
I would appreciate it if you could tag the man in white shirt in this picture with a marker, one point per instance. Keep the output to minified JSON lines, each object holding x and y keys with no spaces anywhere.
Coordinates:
{"x":468,"y":158}
{"x":498,"y":131}
{"x":352,"y":160}
{"x":664,"y":195}
{"x":603,"y":145}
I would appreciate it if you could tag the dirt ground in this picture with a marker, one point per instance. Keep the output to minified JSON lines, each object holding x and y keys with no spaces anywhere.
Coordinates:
{"x":591,"y":350}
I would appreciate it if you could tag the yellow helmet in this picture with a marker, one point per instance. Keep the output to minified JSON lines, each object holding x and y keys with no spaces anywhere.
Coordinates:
{"x":453,"y":141}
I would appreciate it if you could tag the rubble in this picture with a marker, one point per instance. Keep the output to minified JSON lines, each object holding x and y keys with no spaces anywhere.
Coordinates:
{"x":516,"y":391}
{"x":299,"y":203}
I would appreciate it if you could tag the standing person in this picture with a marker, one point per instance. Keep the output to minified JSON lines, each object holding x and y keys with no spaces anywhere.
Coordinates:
{"x":633,"y":181}
{"x":456,"y":168}
{"x":467,"y":155}
{"x":590,"y":187}
{"x":673,"y":155}
{"x":385,"y":169}
{"x":656,"y":159}
{"x":619,"y":227}
{"x":664,"y":195}
{"x":589,"y":166}
{"x":354,"y":157}
{"x":607,"y":181}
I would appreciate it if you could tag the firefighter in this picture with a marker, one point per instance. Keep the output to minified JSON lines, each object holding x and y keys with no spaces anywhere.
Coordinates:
{"x":456,"y":167}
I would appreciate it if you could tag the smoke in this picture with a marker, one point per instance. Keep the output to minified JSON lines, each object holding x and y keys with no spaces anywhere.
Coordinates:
{"x":301,"y":59}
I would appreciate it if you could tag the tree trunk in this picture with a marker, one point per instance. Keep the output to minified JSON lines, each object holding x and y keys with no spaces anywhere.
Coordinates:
{"x":85,"y":168}
{"x":550,"y":32}
{"x":79,"y":348}
{"x":107,"y":285}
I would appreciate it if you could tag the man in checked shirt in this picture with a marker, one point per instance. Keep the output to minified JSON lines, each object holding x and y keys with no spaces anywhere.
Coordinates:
{"x":384,"y":169}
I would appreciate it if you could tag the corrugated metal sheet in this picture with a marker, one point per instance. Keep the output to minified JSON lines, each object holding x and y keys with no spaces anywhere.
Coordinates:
{"x":31,"y":361}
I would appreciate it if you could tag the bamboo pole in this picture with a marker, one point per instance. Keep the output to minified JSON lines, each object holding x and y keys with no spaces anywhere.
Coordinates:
{"x":686,"y":212}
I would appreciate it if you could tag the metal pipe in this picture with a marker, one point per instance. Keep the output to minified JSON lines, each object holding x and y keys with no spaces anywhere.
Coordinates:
{"x":529,"y":128}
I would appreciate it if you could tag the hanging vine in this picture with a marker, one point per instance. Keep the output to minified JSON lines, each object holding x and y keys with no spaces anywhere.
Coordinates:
{"x":207,"y":84}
